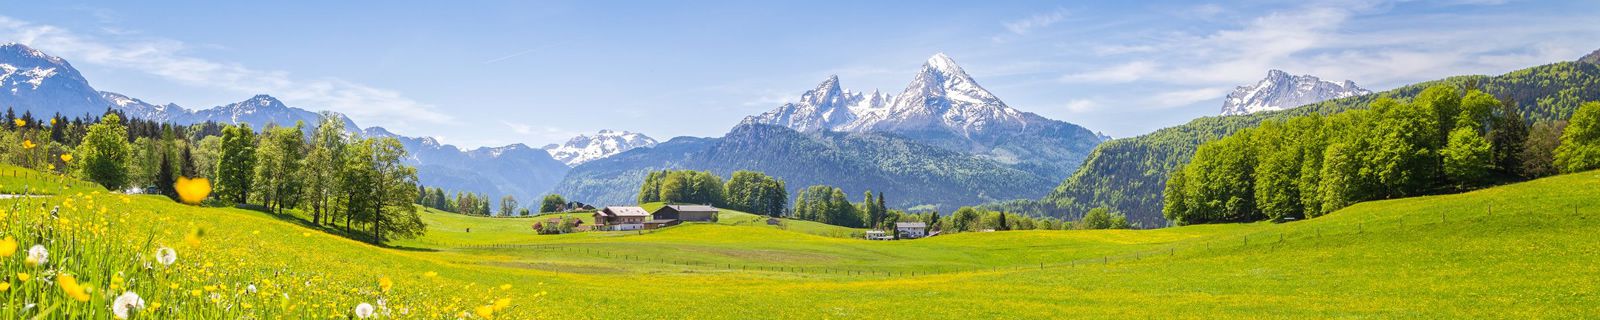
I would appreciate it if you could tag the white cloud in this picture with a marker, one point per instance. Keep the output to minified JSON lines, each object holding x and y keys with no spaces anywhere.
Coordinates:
{"x":1127,"y":72}
{"x":1082,"y":105}
{"x":167,"y":59}
{"x":1022,"y":27}
{"x":1186,"y":97}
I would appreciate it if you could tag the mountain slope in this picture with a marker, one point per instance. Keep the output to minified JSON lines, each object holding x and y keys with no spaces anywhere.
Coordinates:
{"x":1279,"y":91}
{"x":1129,"y":174}
{"x":31,"y":81}
{"x":585,"y":148}
{"x":910,"y":173}
{"x":944,"y":107}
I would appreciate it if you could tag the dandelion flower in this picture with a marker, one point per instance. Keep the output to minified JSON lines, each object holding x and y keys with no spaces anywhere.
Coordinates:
{"x":5,"y":286}
{"x":166,"y":256}
{"x":28,"y":144}
{"x":126,"y":302}
{"x":486,"y":312}
{"x":364,"y":310}
{"x":70,"y":285}
{"x":20,"y":123}
{"x":66,"y":157}
{"x":8,"y":247}
{"x":23,"y":276}
{"x":430,"y":274}
{"x":37,"y":255}
{"x":385,"y":283}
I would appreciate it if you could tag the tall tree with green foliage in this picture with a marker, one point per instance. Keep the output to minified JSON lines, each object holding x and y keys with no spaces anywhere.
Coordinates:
{"x":393,"y":190}
{"x":1580,"y":142}
{"x":508,"y":206}
{"x":323,"y":164}
{"x":827,"y":205}
{"x":236,"y":164}
{"x":551,"y":203}
{"x":104,"y":153}
{"x":1468,"y":158}
{"x":1103,"y":218}
{"x":1538,"y":154}
{"x":279,"y":159}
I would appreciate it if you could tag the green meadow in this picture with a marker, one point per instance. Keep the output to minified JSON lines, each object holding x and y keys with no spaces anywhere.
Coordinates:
{"x":1525,"y":250}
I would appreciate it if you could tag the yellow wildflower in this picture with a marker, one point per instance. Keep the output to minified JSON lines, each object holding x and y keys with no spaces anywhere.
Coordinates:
{"x":66,"y":157}
{"x":430,"y":274}
{"x":8,"y":247}
{"x":384,"y":284}
{"x":192,"y":191}
{"x":23,"y":276}
{"x":486,"y":312}
{"x":20,"y":123}
{"x":28,"y":144}
{"x":502,"y":304}
{"x":5,"y":286}
{"x":70,"y":285}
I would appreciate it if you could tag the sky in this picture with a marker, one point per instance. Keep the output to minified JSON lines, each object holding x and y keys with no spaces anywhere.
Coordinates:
{"x":490,"y":73}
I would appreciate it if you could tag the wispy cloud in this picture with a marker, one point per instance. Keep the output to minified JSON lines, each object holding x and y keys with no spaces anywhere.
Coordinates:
{"x":1041,"y":20}
{"x":1082,"y":105}
{"x":1179,"y":98}
{"x":1127,"y":72}
{"x":520,"y":53}
{"x":541,"y":133}
{"x":168,"y":59}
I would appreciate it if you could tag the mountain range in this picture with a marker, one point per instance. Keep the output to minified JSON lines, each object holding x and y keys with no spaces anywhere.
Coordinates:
{"x":942,"y":142}
{"x":1279,"y":91}
{"x":33,"y":81}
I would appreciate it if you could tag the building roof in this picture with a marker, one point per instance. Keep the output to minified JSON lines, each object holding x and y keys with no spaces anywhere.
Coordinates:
{"x":910,"y":225}
{"x":660,"y":221}
{"x":691,"y":208}
{"x":625,"y":211}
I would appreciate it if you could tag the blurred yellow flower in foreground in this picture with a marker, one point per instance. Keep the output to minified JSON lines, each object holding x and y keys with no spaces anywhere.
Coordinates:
{"x":192,"y":191}
{"x":8,"y":247}
{"x":66,"y":157}
{"x":28,"y":144}
{"x":71,"y":286}
{"x":19,"y":122}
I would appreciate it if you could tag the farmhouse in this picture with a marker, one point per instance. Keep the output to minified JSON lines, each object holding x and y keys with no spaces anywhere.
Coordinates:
{"x":911,"y":230}
{"x":685,"y":213}
{"x":620,"y":218}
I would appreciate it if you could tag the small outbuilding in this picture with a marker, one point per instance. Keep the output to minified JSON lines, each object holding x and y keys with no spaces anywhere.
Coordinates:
{"x":686,"y":213}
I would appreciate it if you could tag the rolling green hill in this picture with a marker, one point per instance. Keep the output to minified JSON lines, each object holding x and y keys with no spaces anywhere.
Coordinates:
{"x":1517,"y":251}
{"x":1128,"y":174}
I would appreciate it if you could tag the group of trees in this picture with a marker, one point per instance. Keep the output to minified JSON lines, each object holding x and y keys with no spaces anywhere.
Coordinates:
{"x":755,"y":192}
{"x":1306,"y":166}
{"x":968,"y":219}
{"x":747,"y":191}
{"x":334,"y":176}
{"x":683,"y":186}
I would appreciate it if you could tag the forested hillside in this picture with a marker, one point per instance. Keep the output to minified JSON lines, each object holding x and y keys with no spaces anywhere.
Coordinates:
{"x":1129,"y":174}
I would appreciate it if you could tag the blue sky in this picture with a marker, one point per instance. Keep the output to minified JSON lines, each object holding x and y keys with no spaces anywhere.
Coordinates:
{"x":491,"y":73}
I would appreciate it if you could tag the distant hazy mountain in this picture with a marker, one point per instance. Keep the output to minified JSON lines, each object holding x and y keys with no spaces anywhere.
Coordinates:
{"x":585,"y":148}
{"x":1279,"y":91}
{"x":1592,"y":57}
{"x":946,"y":108}
{"x":910,"y":173}
{"x":43,"y":84}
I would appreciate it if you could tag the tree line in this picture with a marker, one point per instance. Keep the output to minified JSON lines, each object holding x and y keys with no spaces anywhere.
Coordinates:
{"x":338,"y":178}
{"x":747,"y":191}
{"x":1443,"y":140}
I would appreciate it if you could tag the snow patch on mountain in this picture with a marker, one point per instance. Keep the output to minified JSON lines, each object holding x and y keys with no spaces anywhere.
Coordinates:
{"x":585,"y":148}
{"x":1280,"y":90}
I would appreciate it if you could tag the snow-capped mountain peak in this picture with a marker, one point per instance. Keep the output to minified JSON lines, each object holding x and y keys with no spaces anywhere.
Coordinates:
{"x":585,"y":148}
{"x":1280,"y":90}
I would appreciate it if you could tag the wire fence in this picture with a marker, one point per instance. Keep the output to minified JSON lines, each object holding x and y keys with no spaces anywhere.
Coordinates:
{"x":1276,"y":236}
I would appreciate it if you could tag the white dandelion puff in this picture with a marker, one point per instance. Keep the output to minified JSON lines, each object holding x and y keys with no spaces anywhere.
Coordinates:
{"x":38,"y":255}
{"x":364,"y":310}
{"x":126,"y":302}
{"x":166,"y":256}
{"x":250,"y":288}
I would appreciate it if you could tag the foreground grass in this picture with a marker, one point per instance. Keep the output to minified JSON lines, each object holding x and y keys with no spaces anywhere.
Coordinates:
{"x":1519,"y":251}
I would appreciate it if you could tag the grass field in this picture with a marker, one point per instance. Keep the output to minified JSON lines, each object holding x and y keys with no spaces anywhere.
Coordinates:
{"x":1519,"y":251}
